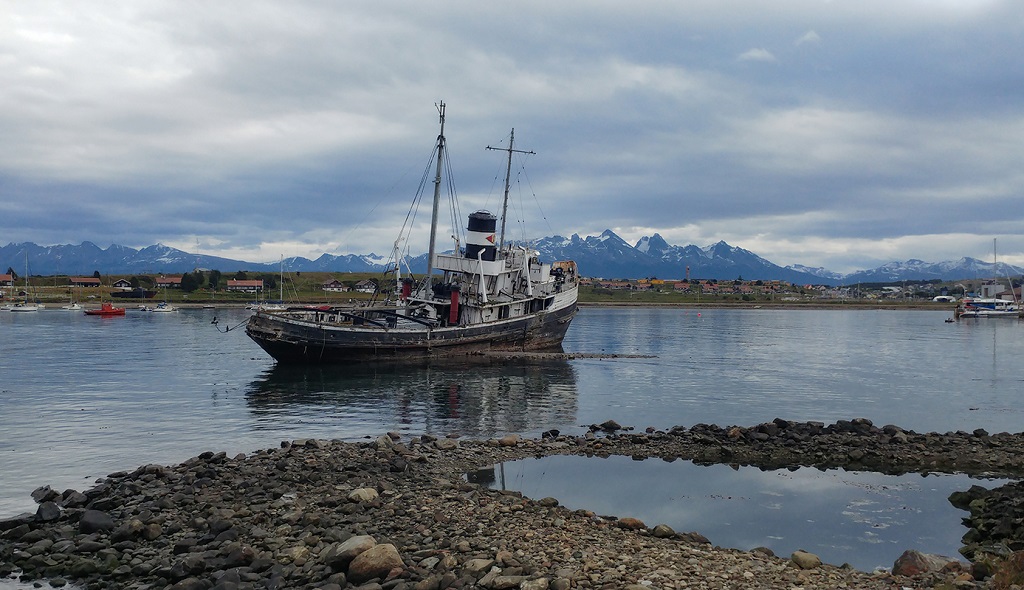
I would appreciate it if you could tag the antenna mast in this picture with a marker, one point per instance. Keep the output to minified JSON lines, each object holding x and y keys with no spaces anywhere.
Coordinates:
{"x":508,"y":177}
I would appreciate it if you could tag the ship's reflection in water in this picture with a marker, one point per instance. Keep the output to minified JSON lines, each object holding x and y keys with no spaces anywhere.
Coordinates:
{"x":480,"y":398}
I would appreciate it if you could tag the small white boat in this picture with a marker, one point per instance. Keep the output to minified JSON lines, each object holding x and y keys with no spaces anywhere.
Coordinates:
{"x":71,"y":307}
{"x":977,"y":307}
{"x":162,"y":308}
{"x":25,"y":307}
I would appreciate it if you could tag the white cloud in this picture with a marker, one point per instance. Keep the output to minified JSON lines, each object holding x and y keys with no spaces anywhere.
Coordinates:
{"x":757,"y":54}
{"x":808,"y":37}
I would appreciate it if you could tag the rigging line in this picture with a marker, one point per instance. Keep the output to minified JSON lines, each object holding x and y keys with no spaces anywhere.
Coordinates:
{"x":410,"y":217}
{"x":453,"y":204}
{"x":216,"y":325}
{"x":536,"y":200}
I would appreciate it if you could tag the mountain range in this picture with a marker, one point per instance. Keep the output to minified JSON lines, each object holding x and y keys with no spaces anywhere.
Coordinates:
{"x":605,"y":256}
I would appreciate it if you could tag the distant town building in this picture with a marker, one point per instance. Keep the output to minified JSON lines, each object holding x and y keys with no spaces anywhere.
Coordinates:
{"x":122,"y":284}
{"x":6,"y":280}
{"x":168,"y":282}
{"x":366,"y":286}
{"x":335,"y":286}
{"x":245,"y":286}
{"x":84,"y":281}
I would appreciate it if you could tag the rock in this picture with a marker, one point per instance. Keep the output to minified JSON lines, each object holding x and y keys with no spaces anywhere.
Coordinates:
{"x":362,"y":495}
{"x":805,"y":560}
{"x":663,"y":531}
{"x":630,"y":523}
{"x":190,"y":584}
{"x":375,"y":562}
{"x":339,"y":555}
{"x":48,"y":511}
{"x":446,"y":444}
{"x":477,"y":567}
{"x":15,"y":522}
{"x":913,"y":563}
{"x":506,"y":582}
{"x":610,"y":426}
{"x":191,"y":565}
{"x":510,"y":440}
{"x":45,"y":494}
{"x":94,"y":521}
{"x":536,"y":584}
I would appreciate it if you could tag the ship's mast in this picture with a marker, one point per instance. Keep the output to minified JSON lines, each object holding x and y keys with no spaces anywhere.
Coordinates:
{"x":508,"y":178}
{"x":437,"y":200}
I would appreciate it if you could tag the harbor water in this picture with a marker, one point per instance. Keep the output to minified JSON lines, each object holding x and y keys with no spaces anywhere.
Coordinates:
{"x":83,"y":396}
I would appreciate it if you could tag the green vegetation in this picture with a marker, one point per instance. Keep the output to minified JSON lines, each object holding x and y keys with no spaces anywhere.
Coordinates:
{"x":210,"y":287}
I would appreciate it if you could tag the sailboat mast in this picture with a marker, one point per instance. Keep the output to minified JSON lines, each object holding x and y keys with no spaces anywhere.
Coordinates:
{"x":437,"y":200}
{"x":508,"y":179}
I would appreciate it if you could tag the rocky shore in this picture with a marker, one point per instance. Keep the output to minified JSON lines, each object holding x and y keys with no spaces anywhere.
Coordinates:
{"x":400,"y":515}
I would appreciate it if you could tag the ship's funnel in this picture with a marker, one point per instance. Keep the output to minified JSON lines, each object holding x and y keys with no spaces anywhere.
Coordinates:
{"x":480,"y":235}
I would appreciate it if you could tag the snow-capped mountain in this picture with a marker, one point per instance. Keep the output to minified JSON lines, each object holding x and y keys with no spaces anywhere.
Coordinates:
{"x":606,"y":255}
{"x":919,"y":270}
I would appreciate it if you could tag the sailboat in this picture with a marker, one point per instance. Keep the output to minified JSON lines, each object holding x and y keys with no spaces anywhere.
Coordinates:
{"x":989,"y":307}
{"x":279,"y":304}
{"x":489,"y":296}
{"x":26,"y":305}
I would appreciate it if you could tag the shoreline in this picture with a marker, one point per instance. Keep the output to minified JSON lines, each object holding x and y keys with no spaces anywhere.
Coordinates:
{"x":846,"y":306}
{"x":289,"y":514}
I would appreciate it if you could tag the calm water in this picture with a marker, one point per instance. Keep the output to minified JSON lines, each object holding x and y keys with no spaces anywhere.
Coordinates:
{"x":82,"y":396}
{"x":864,"y":519}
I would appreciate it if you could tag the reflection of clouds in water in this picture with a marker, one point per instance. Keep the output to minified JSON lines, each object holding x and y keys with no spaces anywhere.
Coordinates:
{"x":865,"y":519}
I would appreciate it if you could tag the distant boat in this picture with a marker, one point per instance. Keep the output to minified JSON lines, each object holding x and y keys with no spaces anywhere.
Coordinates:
{"x":491,"y":296}
{"x":26,"y":305}
{"x":989,"y":307}
{"x":71,"y":307}
{"x":162,"y":308}
{"x":106,"y":310}
{"x":977,"y":307}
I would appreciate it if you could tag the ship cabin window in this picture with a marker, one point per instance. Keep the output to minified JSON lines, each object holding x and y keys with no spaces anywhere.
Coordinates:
{"x":503,"y":312}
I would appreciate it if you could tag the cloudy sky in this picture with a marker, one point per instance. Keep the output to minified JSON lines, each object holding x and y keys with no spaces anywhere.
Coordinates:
{"x":816,"y":132}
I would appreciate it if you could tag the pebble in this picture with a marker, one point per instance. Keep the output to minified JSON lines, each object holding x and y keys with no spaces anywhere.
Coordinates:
{"x":400,"y":516}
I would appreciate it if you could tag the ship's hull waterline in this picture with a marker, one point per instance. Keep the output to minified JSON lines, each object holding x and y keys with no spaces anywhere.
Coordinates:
{"x":301,"y":341}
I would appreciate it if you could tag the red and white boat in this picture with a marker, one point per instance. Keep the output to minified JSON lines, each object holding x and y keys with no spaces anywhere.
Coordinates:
{"x":106,"y":309}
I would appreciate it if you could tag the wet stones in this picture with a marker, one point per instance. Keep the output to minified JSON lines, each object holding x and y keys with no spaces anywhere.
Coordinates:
{"x":93,"y":521}
{"x":401,"y":516}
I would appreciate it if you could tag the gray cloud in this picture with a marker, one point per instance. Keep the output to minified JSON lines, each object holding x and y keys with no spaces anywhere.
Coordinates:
{"x":821,"y":134}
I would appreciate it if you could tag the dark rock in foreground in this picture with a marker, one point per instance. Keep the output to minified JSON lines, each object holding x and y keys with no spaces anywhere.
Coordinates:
{"x":388,"y":515}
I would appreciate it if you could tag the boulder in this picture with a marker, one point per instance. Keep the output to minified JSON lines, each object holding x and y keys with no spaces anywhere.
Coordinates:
{"x":663,"y":531}
{"x":913,"y":562}
{"x":45,"y":494}
{"x":48,"y":511}
{"x":362,"y":495}
{"x":94,"y":521}
{"x":339,"y":555}
{"x":375,"y":562}
{"x":630,"y":523}
{"x":805,"y":560}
